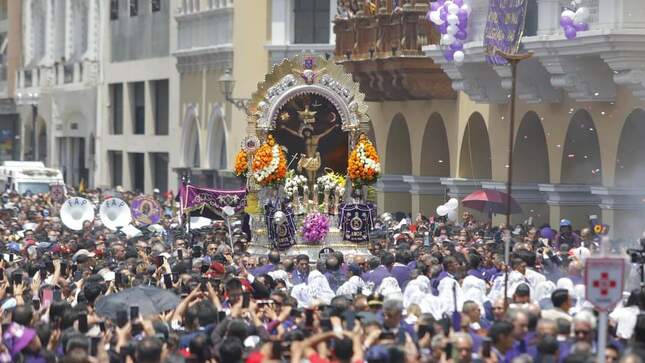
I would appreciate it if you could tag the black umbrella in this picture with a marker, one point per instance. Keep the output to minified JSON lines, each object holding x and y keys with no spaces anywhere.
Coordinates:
{"x":150,"y":300}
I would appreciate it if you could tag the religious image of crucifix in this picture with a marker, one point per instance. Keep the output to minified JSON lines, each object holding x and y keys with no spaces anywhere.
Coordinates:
{"x":310,"y":160}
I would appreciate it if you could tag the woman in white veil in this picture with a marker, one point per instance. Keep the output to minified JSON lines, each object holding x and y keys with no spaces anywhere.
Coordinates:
{"x":390,"y":289}
{"x":416,"y":290}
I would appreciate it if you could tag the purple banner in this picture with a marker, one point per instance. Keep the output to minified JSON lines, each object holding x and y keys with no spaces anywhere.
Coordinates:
{"x":504,"y":28}
{"x":356,"y":221}
{"x":193,"y":198}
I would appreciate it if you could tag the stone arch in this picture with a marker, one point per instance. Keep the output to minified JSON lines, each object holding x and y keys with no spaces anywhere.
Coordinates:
{"x":435,"y":152}
{"x":190,"y":138}
{"x":217,"y":139}
{"x":630,"y":166}
{"x":530,"y":152}
{"x":581,"y":155}
{"x":398,"y":160}
{"x":475,"y":154}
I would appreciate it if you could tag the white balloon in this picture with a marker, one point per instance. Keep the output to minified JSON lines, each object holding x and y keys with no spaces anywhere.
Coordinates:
{"x":453,"y":8}
{"x":581,"y":15}
{"x":568,"y":14}
{"x":453,"y":19}
{"x":442,"y":210}
{"x":435,"y":17}
{"x":452,"y":29}
{"x":452,"y":216}
{"x":467,"y":8}
{"x":452,"y":203}
{"x":459,"y":56}
{"x":578,"y":1}
{"x":447,"y":39}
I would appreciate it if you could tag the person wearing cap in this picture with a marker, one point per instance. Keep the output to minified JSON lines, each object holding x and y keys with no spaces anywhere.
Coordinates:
{"x":566,"y":235}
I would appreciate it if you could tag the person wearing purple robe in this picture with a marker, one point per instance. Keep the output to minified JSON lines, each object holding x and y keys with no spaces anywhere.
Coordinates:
{"x":382,"y":271}
{"x":335,"y":277}
{"x":274,"y":261}
{"x":449,"y":268}
{"x":399,"y":270}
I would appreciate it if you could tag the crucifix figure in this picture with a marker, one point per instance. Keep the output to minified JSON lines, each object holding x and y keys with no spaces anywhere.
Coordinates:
{"x":310,"y":160}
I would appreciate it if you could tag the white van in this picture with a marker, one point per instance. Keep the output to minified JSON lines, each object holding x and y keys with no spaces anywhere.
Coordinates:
{"x":32,"y":176}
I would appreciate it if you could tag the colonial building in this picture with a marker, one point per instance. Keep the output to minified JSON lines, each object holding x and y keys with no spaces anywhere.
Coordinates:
{"x":138,"y":99}
{"x":57,"y":83}
{"x":10,"y":41}
{"x":442,"y":127}
{"x":224,"y":48}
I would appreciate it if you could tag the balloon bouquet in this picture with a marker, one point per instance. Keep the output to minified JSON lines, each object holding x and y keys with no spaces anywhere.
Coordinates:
{"x":451,"y":19}
{"x":449,"y":209}
{"x":574,"y":20}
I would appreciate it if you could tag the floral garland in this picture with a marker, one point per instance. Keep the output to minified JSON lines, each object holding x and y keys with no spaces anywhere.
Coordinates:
{"x":241,"y":164}
{"x":331,"y":181}
{"x":269,"y":163}
{"x":293,"y":183}
{"x":364,"y":165}
{"x":315,"y":228}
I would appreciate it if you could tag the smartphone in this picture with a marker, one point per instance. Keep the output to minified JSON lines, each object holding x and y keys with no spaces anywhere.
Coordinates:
{"x":134,"y":313}
{"x":118,"y":277}
{"x":350,"y":319}
{"x":148,"y":250}
{"x":486,"y":347}
{"x":48,"y":296}
{"x":94,"y":346}
{"x":121,"y":318}
{"x":1,"y":274}
{"x":246,"y":300}
{"x":78,"y":275}
{"x":276,"y":350}
{"x":17,"y":278}
{"x":309,"y":318}
{"x":202,"y":284}
{"x":56,"y":296}
{"x":102,"y":326}
{"x":11,"y":257}
{"x":180,"y":254}
{"x":425,"y":329}
{"x":167,"y":279}
{"x":82,"y":323}
{"x":448,"y":351}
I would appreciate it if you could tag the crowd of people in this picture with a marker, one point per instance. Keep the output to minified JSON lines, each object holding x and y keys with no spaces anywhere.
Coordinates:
{"x":435,"y":292}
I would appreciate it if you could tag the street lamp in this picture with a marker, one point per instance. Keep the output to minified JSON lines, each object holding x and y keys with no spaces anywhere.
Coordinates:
{"x":30,"y":99}
{"x":227,"y":83}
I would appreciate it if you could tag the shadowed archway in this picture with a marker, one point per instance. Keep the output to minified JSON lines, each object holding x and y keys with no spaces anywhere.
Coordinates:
{"x":475,"y":154}
{"x":398,"y":160}
{"x":581,"y":155}
{"x":530,"y":153}
{"x":435,"y":153}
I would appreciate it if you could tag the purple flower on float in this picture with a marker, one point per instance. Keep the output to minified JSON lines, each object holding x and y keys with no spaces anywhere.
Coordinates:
{"x":458,"y":2}
{"x":443,"y":13}
{"x":463,"y":25}
{"x":434,"y":6}
{"x":462,"y":14}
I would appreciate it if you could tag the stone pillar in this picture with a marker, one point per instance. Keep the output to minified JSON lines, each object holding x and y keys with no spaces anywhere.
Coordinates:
{"x":623,"y":210}
{"x":459,"y":188}
{"x":573,"y":202}
{"x":394,"y":194}
{"x":427,"y":193}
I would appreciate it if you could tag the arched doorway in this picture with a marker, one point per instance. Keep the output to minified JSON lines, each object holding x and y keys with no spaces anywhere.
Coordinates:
{"x":630,"y":173}
{"x":217,"y":157}
{"x":398,"y":162}
{"x":531,"y":166}
{"x":190,"y":138}
{"x":435,"y":153}
{"x":581,"y":154}
{"x":475,"y":157}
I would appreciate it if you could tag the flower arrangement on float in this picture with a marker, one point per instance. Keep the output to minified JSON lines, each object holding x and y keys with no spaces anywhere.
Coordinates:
{"x":364,"y":164}
{"x":293,"y":183}
{"x":331,"y":182}
{"x":241,"y":164}
{"x":315,"y":227}
{"x":269,"y":163}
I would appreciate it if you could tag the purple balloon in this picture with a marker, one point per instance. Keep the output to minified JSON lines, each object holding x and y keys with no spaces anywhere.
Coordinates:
{"x":462,"y":25}
{"x":443,"y":28}
{"x":434,"y":6}
{"x":449,"y":54}
{"x":458,"y":2}
{"x":581,"y":27}
{"x":566,"y":21}
{"x":462,"y":35}
{"x":570,"y":32}
{"x":462,"y":14}
{"x":457,"y":46}
{"x":443,"y":13}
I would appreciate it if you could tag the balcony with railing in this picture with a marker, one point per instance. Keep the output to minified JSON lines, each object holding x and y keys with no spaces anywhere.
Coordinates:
{"x":59,"y":75}
{"x":382,"y":48}
{"x":589,"y":67}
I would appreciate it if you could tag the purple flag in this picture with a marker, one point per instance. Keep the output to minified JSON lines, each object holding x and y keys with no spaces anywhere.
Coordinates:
{"x":504,"y":28}
{"x":195,"y":198}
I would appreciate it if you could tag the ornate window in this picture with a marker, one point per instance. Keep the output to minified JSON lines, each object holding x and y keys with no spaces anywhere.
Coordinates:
{"x":311,"y":21}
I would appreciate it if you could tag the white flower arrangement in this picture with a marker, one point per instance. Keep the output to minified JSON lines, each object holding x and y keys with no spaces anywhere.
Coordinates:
{"x":262,"y":174}
{"x":293,"y":183}
{"x":331,"y":182}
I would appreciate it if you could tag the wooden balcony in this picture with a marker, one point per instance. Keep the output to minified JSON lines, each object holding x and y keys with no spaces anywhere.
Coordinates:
{"x":383,"y":53}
